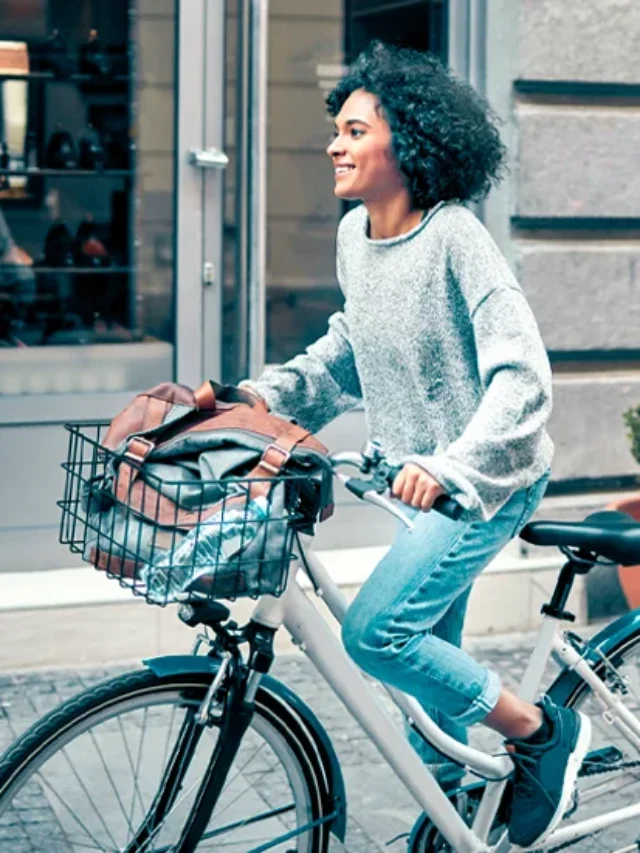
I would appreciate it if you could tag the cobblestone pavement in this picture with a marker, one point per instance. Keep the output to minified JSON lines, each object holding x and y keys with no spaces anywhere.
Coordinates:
{"x":379,"y":808}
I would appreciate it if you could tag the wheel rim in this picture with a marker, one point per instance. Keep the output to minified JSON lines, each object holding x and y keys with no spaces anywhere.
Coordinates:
{"x":620,"y":837}
{"x":91,"y":788}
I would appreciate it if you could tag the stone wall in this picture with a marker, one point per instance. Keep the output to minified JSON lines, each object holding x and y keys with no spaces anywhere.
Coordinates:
{"x":565,"y":75}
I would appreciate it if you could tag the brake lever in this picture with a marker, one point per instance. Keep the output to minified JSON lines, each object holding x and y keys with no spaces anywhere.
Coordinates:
{"x":368,"y":491}
{"x":383,"y":480}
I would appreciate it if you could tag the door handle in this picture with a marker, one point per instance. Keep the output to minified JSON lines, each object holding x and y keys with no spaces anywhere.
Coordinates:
{"x":208,"y":158}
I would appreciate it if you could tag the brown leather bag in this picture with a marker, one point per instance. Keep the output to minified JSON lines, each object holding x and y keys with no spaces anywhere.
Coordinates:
{"x":171,"y":444}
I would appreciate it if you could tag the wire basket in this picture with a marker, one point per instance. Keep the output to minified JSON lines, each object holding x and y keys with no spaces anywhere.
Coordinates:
{"x":226,"y":539}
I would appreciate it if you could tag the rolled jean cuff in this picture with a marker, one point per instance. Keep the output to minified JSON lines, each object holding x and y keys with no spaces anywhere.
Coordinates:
{"x":483,"y":704}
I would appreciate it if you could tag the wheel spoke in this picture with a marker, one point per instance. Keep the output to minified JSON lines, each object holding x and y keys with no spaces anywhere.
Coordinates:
{"x":75,"y":817}
{"x":114,"y":787}
{"x":163,"y":822}
{"x":287,"y":837}
{"x":238,"y":773}
{"x":135,"y":769}
{"x":88,"y":795}
{"x":214,"y":833}
{"x":149,"y":824}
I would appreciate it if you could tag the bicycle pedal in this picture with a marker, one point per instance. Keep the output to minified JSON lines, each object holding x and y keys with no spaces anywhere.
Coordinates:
{"x":573,"y":805}
{"x":597,"y":759}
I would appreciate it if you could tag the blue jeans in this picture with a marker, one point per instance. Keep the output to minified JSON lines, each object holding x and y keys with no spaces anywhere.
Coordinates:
{"x":405,"y":625}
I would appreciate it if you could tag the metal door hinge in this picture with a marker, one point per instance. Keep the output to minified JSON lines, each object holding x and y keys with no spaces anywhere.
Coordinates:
{"x":208,"y":277}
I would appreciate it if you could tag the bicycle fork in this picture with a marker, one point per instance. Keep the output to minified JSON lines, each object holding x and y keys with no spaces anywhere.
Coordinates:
{"x":234,"y":713}
{"x":237,"y":715}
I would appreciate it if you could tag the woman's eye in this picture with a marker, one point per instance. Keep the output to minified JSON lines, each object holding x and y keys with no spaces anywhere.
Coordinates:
{"x":354,"y":131}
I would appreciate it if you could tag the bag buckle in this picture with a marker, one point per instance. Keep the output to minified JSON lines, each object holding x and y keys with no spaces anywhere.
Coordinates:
{"x":138,"y":457}
{"x":272,"y":468}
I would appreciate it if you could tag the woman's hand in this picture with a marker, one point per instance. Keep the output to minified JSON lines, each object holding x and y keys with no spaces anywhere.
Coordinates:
{"x":415,"y":487}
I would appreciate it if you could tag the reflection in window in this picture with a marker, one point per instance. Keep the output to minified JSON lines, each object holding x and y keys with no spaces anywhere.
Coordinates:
{"x":86,"y":198}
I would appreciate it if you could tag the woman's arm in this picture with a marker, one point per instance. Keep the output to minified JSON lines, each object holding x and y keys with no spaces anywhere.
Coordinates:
{"x":316,"y":386}
{"x":321,"y":383}
{"x":500,"y":445}
{"x":506,"y":437}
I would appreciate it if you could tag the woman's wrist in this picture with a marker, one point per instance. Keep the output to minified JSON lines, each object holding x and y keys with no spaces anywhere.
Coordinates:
{"x":249,"y":389}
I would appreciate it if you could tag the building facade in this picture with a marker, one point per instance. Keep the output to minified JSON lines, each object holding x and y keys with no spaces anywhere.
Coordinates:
{"x":159,"y":261}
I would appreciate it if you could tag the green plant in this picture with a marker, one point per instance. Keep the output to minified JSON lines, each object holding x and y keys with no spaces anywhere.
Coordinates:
{"x":632,"y":420}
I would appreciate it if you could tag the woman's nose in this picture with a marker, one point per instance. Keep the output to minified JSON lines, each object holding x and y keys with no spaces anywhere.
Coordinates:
{"x":335,"y":146}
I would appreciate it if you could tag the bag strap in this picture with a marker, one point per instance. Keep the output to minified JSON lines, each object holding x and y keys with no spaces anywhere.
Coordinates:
{"x":276,"y":455}
{"x":150,"y":503}
{"x":137,"y":450}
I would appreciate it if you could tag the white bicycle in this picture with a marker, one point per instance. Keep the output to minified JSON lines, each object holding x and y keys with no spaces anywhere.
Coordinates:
{"x":209,"y":752}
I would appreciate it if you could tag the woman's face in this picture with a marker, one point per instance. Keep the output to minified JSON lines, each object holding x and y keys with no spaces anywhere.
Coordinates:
{"x":364,"y":165}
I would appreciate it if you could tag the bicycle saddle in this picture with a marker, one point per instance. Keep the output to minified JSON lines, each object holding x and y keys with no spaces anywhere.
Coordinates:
{"x":614,"y":535}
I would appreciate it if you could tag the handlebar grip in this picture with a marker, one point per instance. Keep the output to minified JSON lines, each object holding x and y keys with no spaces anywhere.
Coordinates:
{"x":443,"y":504}
{"x":447,"y":506}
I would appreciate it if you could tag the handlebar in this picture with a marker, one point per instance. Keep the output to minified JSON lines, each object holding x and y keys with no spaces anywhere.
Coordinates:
{"x":382,"y":477}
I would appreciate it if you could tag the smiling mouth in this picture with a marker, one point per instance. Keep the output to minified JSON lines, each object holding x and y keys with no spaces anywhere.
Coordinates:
{"x":342,"y":170}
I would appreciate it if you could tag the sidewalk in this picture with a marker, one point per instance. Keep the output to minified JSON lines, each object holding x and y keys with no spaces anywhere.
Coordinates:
{"x":378,"y":809}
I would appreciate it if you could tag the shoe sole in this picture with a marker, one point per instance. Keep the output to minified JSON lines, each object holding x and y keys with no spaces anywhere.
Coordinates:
{"x":573,"y":768}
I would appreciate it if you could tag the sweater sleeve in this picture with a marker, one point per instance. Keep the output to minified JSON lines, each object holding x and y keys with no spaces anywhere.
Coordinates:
{"x":500,"y":447}
{"x":318,"y":385}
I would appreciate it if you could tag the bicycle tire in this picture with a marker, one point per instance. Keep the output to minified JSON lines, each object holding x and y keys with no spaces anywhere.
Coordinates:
{"x":143,"y":692}
{"x":429,"y":840}
{"x":619,"y":656}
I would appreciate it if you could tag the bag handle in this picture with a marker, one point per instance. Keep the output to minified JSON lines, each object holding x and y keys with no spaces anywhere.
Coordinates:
{"x":206,"y":396}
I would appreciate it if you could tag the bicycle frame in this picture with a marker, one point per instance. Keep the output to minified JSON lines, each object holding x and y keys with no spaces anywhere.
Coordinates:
{"x":295,"y":611}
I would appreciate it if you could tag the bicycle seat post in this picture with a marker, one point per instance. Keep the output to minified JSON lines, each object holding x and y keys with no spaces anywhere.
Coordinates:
{"x":576,"y":565}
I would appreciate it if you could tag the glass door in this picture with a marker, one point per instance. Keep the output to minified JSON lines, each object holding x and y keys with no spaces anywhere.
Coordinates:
{"x":309,"y":45}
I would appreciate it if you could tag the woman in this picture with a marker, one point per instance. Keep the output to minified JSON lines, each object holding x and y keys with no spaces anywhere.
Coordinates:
{"x":438,"y":341}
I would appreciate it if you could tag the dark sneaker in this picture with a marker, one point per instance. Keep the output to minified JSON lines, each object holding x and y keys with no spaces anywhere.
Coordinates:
{"x":545,"y":773}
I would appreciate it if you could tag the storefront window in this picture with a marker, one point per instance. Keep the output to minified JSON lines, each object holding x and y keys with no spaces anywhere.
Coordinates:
{"x":86,"y":194}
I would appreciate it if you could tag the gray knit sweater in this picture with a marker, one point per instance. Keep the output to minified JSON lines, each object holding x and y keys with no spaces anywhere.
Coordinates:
{"x":439,"y":343}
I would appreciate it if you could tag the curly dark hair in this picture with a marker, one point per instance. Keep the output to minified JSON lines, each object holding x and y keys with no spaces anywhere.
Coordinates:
{"x":444,"y":133}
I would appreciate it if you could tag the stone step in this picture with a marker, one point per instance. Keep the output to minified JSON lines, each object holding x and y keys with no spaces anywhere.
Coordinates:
{"x":78,"y":616}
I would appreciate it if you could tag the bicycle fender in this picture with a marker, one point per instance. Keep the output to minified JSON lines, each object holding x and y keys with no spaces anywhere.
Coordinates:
{"x":185,"y":664}
{"x":175,"y":664}
{"x":328,"y":757}
{"x":604,"y":642}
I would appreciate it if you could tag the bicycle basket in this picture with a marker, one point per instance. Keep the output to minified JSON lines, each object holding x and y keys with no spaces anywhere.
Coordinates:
{"x":226,"y":539}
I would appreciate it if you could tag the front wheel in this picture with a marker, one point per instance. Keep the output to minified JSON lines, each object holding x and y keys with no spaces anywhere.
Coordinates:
{"x":118,"y":767}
